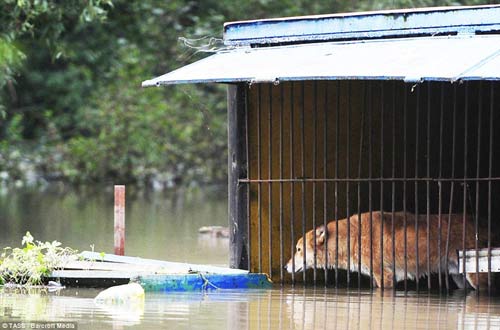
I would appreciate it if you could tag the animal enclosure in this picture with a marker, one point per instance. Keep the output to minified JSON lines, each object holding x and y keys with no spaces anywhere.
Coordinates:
{"x":320,"y":151}
{"x":388,"y":116}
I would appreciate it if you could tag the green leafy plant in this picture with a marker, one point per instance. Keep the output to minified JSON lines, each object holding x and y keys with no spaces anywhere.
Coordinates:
{"x":28,"y":265}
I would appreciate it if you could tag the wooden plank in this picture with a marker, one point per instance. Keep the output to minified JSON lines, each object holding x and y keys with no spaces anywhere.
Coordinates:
{"x":200,"y":282}
{"x":179,"y":266}
{"x":91,"y":279}
{"x":113,"y":266}
{"x":82,"y":274}
{"x":470,"y":260}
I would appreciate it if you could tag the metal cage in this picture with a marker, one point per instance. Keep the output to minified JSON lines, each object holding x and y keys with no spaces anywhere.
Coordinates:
{"x":320,"y":151}
{"x":385,"y":118}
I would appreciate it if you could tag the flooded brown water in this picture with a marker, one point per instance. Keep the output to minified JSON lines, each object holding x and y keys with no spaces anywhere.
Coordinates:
{"x":158,"y":225}
{"x":165,"y":226}
{"x":287,"y":308}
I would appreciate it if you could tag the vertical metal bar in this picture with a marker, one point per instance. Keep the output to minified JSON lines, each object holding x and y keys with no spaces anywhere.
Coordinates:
{"x":440,"y":183}
{"x":370,"y":183}
{"x":259,"y":175}
{"x":348,"y":164}
{"x":303,"y":175}
{"x":270,"y":185}
{"x":417,"y":128}
{"x":382,"y":105}
{"x":405,"y":110}
{"x":325,"y":194}
{"x":245,"y":101}
{"x":450,"y":206}
{"x":464,"y":214}
{"x":478,"y":166}
{"x":490,"y":168}
{"x":282,"y":109}
{"x":315,"y":123}
{"x":428,"y":184}
{"x":393,"y":185}
{"x":336,"y":214}
{"x":360,"y":159}
{"x":292,"y":192}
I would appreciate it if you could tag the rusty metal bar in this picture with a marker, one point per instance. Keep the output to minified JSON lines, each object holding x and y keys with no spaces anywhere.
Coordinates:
{"x":490,"y":167}
{"x":282,"y":243}
{"x":428,"y":185}
{"x":303,"y":175}
{"x":370,"y":175}
{"x":292,"y":192}
{"x":247,"y":151}
{"x":393,"y":184}
{"x":464,"y":214}
{"x":325,"y":186}
{"x":440,"y":184}
{"x":247,"y":160}
{"x":417,"y":128}
{"x":315,"y":122}
{"x":405,"y":112}
{"x":270,"y":186}
{"x":382,"y":105}
{"x":348,"y":163}
{"x":450,"y":206}
{"x":259,"y":175}
{"x":478,"y":166}
{"x":336,"y":215}
{"x":360,"y":159}
{"x":374,"y":179}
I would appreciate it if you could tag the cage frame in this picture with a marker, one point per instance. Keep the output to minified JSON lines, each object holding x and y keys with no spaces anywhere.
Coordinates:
{"x":248,"y":40}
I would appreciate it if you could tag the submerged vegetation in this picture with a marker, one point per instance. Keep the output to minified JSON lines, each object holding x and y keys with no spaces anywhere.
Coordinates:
{"x":28,"y":265}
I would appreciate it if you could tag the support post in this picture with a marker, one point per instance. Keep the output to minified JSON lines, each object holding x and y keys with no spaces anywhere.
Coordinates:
{"x":119,"y":227}
{"x":237,"y":166}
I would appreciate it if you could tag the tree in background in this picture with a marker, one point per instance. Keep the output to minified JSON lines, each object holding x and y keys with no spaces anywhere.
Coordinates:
{"x":27,"y":28}
{"x":71,"y":106}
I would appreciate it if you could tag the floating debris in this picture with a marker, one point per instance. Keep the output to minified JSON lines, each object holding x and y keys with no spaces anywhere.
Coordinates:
{"x":216,"y":231}
{"x":121,"y":294}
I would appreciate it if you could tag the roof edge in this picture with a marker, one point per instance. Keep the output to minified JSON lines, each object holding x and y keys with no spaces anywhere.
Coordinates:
{"x":364,"y":25}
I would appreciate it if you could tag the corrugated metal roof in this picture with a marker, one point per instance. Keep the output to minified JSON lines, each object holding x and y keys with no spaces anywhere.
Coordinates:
{"x":466,"y":57}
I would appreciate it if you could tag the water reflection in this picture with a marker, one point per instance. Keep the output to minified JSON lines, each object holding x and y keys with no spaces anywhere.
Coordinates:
{"x":123,"y":314}
{"x":286,"y":308}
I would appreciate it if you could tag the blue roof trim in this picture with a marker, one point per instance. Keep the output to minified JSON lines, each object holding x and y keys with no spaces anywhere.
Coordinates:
{"x":367,"y":25}
{"x":429,"y":44}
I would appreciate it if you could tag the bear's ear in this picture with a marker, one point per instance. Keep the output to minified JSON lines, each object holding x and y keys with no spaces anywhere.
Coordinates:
{"x":321,"y":235}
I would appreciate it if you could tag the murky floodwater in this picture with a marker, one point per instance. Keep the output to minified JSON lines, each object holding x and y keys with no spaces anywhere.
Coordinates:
{"x":158,"y":225}
{"x":165,"y":226}
{"x":272,"y":309}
